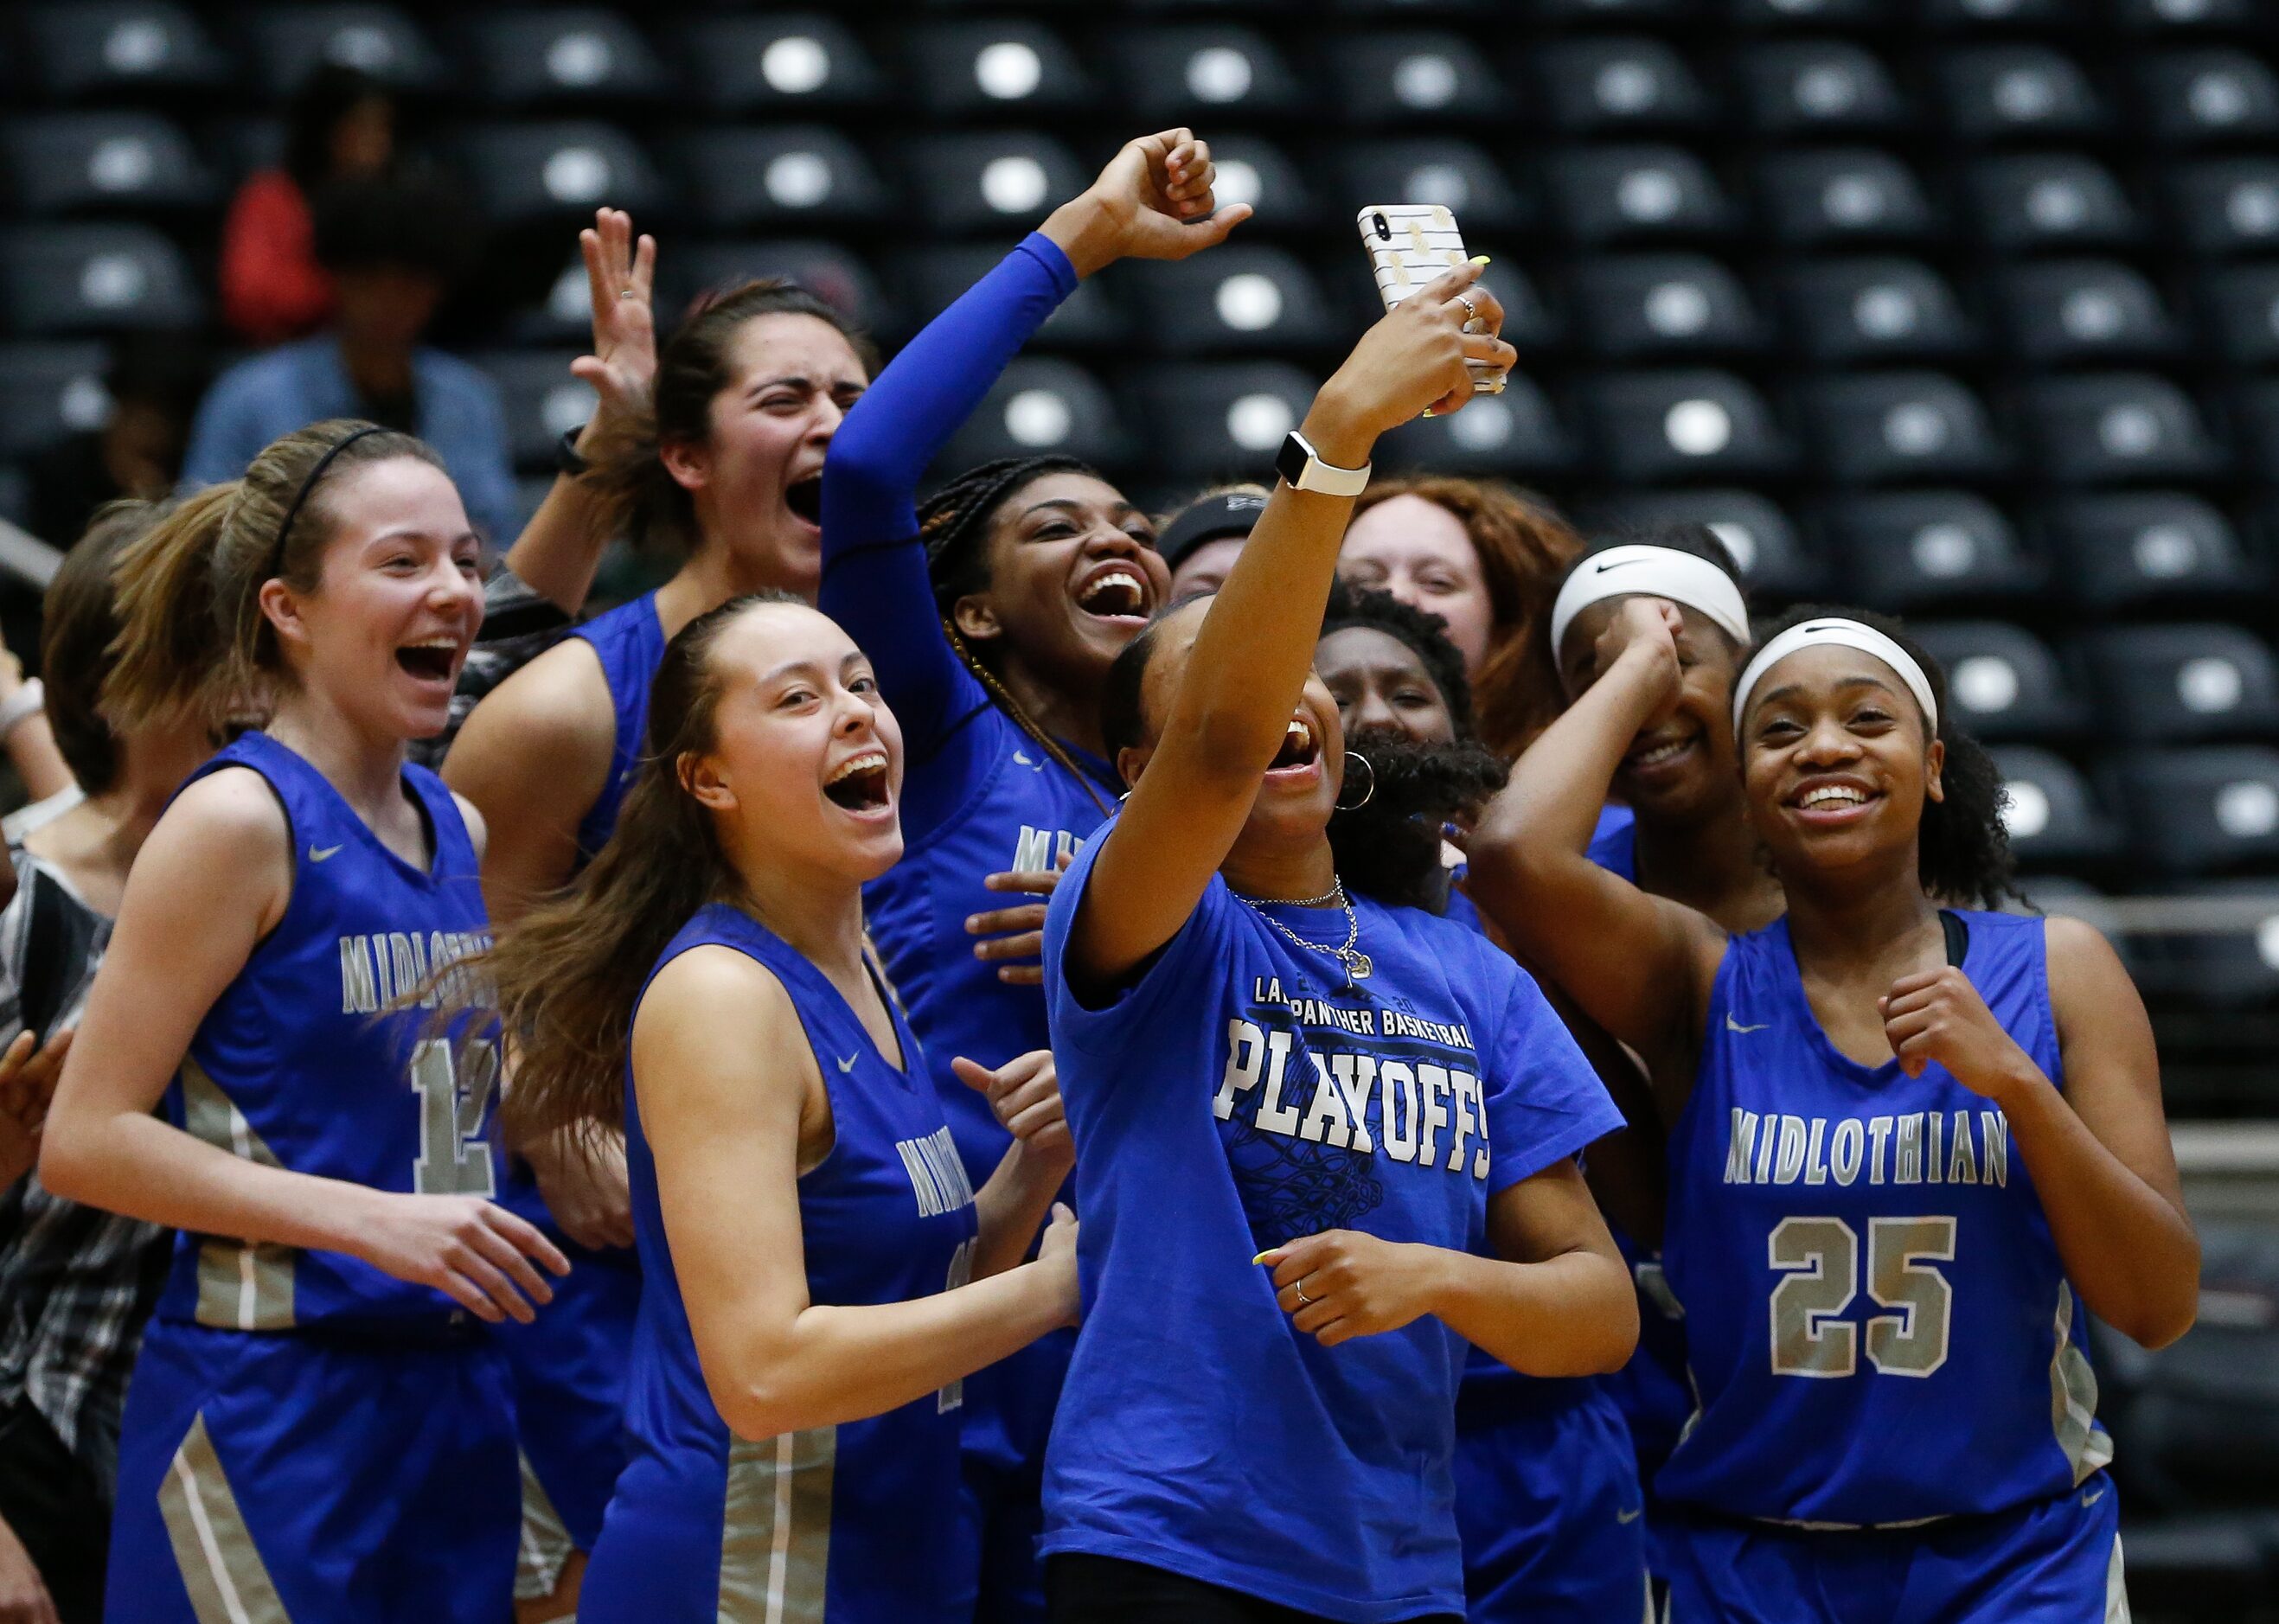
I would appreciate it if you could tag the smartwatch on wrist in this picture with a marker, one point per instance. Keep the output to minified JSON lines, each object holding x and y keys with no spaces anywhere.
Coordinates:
{"x":566,"y":455}
{"x":1303,"y":470}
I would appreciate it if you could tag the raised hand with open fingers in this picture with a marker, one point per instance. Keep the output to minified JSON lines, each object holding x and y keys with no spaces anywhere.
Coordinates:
{"x":1154,"y":201}
{"x":1013,"y":938}
{"x":620,"y":275}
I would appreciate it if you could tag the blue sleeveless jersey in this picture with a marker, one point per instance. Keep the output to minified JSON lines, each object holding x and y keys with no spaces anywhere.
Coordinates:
{"x":1239,"y":1095}
{"x":1872,"y":1294}
{"x":300,"y":1064}
{"x":630,"y":641}
{"x":1024,"y":810}
{"x":852,"y":1524}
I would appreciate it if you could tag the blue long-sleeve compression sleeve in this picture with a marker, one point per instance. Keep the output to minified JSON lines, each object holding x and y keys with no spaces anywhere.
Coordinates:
{"x":874,"y":572}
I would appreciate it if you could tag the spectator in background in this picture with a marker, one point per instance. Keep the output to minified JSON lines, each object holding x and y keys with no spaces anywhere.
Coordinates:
{"x":393,"y":248}
{"x":154,"y":382}
{"x":341,"y":126}
{"x":1486,"y":558}
{"x":1201,"y":541}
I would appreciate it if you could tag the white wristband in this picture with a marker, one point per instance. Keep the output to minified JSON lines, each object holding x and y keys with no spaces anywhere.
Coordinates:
{"x":25,"y":703}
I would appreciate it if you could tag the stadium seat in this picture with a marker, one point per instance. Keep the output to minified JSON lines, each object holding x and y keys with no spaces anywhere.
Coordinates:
{"x":2180,"y":683}
{"x":542,"y":400}
{"x":2004,"y":682}
{"x":549,"y":55}
{"x":1238,"y":298}
{"x":119,"y":49}
{"x":996,"y":70}
{"x":1613,"y":87}
{"x":49,"y":392}
{"x":1205,"y":74}
{"x":1689,"y":425}
{"x":63,"y":279}
{"x":2004,"y":93}
{"x":997,"y":184}
{"x":1608,"y":195}
{"x":2255,"y":416}
{"x":523,"y":172}
{"x":1874,"y":428}
{"x":1919,"y":551}
{"x":2227,"y":206}
{"x":2180,"y":17}
{"x":1968,"y":17}
{"x":76,"y":162}
{"x":1436,"y":170}
{"x":1615,"y":13}
{"x":1285,"y":196}
{"x":288,"y":42}
{"x":1514,"y":434}
{"x":927,"y":280}
{"x":775,"y":65}
{"x":783,"y":177}
{"x":1040,"y":405}
{"x":1764,"y":543}
{"x":2114,"y":428}
{"x":1662,"y":306}
{"x":1412,"y":77}
{"x":2224,"y":968}
{"x":2211,"y":810}
{"x":1842,"y":196}
{"x":1220,"y":421}
{"x":1787,"y":15}
{"x":2133,"y":551}
{"x":1818,"y":90}
{"x":2049,"y":202}
{"x":2211,"y":98}
{"x":2070,"y":311}
{"x":2242,"y":306}
{"x":1869,"y":312}
{"x":2053,"y":819}
{"x":829,"y":273}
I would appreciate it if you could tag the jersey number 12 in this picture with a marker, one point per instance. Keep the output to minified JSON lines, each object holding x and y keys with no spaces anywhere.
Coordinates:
{"x":1820,"y":1258}
{"x":454,"y":1154}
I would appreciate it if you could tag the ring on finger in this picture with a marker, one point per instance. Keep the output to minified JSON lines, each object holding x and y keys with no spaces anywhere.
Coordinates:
{"x":628,"y":293}
{"x":1304,"y":1301}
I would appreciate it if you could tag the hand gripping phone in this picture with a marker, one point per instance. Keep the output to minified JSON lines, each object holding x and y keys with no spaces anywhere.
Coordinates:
{"x":1411,"y":245}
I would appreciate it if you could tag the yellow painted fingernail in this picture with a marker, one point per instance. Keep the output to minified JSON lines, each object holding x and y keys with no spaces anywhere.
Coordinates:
{"x":1479,"y":259}
{"x":1261,"y":1258}
{"x":1428,"y":411}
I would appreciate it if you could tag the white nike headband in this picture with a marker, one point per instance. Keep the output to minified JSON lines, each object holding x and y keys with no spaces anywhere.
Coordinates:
{"x":1844,"y":633}
{"x":1641,"y":569}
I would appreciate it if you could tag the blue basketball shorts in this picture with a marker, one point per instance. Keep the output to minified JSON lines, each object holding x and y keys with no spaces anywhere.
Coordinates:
{"x":1007,"y":1414}
{"x":285,"y":1475}
{"x":2053,"y":1561}
{"x":569,"y":1366}
{"x":1548,"y":1505}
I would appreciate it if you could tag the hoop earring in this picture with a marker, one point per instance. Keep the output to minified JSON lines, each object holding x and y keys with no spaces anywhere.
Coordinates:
{"x":1351,"y":756}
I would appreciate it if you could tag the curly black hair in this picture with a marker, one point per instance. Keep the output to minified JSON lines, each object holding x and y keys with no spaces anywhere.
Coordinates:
{"x":1425,"y":633}
{"x":1963,"y":849}
{"x":1388,"y":846}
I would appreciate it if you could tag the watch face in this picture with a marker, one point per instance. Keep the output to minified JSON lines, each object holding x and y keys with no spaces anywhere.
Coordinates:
{"x":1291,"y":462}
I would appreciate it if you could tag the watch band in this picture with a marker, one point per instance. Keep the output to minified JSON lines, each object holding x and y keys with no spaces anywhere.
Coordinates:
{"x":566,"y":455}
{"x":1302,"y":469}
{"x":21,"y":706}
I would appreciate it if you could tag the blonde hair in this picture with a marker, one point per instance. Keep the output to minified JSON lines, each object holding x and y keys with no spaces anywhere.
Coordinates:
{"x":193,"y":644}
{"x":1523,"y":547}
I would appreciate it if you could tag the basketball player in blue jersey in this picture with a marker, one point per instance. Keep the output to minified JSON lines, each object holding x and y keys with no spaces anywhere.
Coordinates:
{"x":993,"y":613}
{"x":717,"y":451}
{"x":817,"y":1273}
{"x":1912,"y":1143}
{"x":1683,"y":833}
{"x":318,"y":1427}
{"x":1547,"y":1497}
{"x":1311,"y":1127}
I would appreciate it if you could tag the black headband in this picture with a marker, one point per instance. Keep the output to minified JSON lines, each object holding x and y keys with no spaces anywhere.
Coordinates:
{"x":293,"y":509}
{"x":1210,"y":518}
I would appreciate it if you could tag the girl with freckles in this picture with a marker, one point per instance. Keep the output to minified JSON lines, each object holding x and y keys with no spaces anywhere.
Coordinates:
{"x":1909,"y":1143}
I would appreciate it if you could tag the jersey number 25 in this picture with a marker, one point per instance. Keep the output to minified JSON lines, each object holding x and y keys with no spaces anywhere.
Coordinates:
{"x":1820,"y":1259}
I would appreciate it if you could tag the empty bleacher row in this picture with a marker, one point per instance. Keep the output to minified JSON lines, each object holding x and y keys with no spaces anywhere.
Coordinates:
{"x":1966,"y":309}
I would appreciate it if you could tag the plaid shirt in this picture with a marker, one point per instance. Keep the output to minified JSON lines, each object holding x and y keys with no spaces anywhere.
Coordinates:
{"x":76,"y":1283}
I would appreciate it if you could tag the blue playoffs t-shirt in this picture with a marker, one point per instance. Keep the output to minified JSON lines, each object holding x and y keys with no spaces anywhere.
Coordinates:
{"x":1238,"y":1095}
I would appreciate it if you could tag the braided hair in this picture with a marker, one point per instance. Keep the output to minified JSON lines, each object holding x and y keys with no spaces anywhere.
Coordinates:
{"x":954,"y":524}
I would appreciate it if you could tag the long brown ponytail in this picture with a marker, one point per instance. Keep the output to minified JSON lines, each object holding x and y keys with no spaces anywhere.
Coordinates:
{"x":567,"y":974}
{"x":193,"y":643}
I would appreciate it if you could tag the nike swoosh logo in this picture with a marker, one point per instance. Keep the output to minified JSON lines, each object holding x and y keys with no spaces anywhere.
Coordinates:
{"x":1731,"y":1026}
{"x":848,"y":1064}
{"x":2088,"y":1500}
{"x":1620,"y":564}
{"x":318,"y":854}
{"x":1629,"y":1517}
{"x":1023,"y":760}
